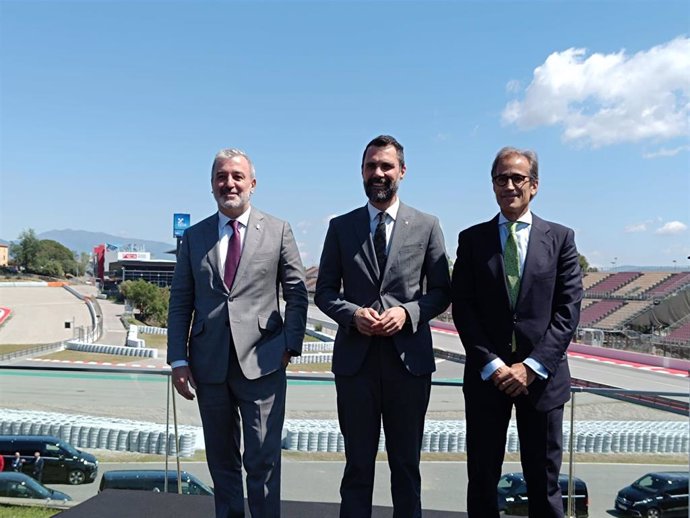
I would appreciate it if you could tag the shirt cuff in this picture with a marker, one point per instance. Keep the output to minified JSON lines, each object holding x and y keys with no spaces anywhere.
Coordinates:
{"x":491,"y":367}
{"x":537,"y":367}
{"x":179,"y":363}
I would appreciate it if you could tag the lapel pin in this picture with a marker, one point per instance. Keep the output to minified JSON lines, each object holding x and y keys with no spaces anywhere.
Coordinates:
{"x":258,"y":227}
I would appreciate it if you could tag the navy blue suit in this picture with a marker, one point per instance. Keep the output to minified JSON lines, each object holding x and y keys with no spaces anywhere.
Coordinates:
{"x":544,"y":320}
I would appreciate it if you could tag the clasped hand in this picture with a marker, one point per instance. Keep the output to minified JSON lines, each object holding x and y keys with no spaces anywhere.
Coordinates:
{"x":514,"y":379}
{"x":370,"y":323}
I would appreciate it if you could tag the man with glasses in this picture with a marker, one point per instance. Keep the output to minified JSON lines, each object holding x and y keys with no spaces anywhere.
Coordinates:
{"x":516,"y":293}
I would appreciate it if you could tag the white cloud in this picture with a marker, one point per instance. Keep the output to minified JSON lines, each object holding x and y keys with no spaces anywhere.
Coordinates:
{"x":638,"y":227}
{"x":513,"y":86}
{"x":671,"y":228}
{"x":605,"y":99}
{"x":665,"y":152}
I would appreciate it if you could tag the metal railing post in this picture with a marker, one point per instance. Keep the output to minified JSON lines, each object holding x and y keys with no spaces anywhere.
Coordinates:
{"x":167,"y":431}
{"x":177,"y":439}
{"x":571,"y":449}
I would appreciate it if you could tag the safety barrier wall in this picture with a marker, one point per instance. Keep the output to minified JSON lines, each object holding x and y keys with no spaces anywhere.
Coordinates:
{"x":320,"y":435}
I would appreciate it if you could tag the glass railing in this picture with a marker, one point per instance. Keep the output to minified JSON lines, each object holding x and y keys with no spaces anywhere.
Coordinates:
{"x":129,"y":419}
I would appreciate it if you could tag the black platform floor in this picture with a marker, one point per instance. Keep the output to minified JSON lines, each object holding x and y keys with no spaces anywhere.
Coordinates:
{"x":145,"y":504}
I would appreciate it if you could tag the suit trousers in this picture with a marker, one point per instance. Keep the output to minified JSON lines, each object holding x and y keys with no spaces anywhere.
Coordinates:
{"x":261,"y":405}
{"x":382,"y":389}
{"x":487,"y":414}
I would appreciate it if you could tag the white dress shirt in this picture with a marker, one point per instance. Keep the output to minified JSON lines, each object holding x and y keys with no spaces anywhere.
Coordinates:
{"x":391,"y":215}
{"x":225,"y":232}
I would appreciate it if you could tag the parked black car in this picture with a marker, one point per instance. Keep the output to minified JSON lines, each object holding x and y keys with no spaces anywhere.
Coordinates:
{"x":512,"y":495}
{"x":661,"y":493}
{"x":153,"y":480}
{"x":63,"y":462}
{"x":20,"y":485}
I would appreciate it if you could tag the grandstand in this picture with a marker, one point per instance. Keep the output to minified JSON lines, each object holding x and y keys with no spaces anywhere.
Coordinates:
{"x":592,"y":278}
{"x":595,"y":312}
{"x":675,"y":282}
{"x":612,"y":283}
{"x":642,"y":284}
{"x":681,"y":334}
{"x":644,"y":311}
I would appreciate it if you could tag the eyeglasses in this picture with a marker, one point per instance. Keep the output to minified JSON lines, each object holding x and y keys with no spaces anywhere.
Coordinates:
{"x":502,"y":179}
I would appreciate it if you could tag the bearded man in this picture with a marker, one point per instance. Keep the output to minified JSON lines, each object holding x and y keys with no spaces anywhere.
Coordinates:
{"x":390,"y":261}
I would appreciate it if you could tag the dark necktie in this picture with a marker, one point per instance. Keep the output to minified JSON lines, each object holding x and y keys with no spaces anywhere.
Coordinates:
{"x":232,"y":259}
{"x":380,"y":242}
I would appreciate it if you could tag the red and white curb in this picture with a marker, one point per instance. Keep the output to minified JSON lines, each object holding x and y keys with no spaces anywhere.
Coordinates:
{"x":631,"y":365}
{"x":100,"y":364}
{"x":4,"y":313}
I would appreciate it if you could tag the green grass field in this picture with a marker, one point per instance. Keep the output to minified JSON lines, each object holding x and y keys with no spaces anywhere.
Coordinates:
{"x":10,"y":511}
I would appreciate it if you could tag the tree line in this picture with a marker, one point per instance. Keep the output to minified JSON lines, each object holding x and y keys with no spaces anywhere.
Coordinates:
{"x":46,"y":256}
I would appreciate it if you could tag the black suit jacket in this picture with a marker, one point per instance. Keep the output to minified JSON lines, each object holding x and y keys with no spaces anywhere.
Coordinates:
{"x":547,"y":310}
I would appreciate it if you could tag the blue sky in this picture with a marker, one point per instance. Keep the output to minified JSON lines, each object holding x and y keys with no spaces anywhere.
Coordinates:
{"x":111,"y":112}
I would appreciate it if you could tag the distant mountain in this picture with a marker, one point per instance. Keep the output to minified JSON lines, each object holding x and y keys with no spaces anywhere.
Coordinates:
{"x":84,"y":241}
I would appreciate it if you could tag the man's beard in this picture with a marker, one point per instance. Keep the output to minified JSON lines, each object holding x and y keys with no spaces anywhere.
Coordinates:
{"x":234,"y":203}
{"x":382,"y":195}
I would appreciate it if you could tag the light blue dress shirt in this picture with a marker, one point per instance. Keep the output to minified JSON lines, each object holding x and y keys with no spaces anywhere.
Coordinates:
{"x":524,"y":225}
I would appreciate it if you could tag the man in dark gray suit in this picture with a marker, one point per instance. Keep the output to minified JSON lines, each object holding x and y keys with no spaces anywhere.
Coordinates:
{"x":517,"y":288}
{"x":227,"y":339}
{"x":390,"y":261}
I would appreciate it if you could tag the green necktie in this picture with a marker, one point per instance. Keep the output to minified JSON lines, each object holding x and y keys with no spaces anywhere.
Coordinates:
{"x":511,"y":261}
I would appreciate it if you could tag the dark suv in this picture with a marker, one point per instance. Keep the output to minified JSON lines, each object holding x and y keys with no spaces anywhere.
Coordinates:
{"x":512,"y":495}
{"x":153,"y":480}
{"x":661,"y":493}
{"x":63,"y":462}
{"x":21,"y":485}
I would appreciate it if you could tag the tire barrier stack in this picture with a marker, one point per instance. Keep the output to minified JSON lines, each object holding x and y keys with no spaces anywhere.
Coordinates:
{"x":150,"y":330}
{"x":100,"y":433}
{"x":658,"y":437}
{"x":312,"y":358}
{"x":121,"y":350}
{"x":133,"y":339}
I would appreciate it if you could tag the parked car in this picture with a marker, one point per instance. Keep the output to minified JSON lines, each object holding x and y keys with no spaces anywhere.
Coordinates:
{"x":153,"y":480}
{"x":660,"y":493}
{"x":21,"y":485}
{"x":63,"y":462}
{"x":512,"y":495}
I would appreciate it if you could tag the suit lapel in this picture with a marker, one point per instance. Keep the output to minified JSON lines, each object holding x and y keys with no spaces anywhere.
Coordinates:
{"x":252,"y":237}
{"x":538,"y":244}
{"x":495,"y":255}
{"x":363,"y":233}
{"x":399,"y":235}
{"x":211,"y":243}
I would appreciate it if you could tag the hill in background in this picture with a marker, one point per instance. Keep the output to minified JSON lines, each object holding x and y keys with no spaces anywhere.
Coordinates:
{"x":84,"y":241}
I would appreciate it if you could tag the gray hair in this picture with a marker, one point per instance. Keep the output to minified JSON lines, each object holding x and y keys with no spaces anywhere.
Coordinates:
{"x":528,"y":154}
{"x":226,"y":153}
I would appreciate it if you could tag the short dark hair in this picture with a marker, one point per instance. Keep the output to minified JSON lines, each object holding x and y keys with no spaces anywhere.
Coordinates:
{"x":383,"y":141}
{"x":528,"y":154}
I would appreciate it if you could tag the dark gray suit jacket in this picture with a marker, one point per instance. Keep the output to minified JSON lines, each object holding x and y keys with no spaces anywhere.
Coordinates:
{"x":547,"y":310}
{"x":416,"y":277}
{"x":203,"y":312}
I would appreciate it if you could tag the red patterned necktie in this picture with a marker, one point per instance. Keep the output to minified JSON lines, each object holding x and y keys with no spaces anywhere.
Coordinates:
{"x":232,"y":259}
